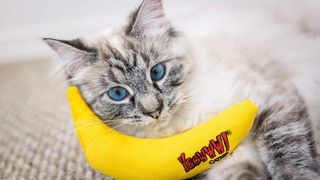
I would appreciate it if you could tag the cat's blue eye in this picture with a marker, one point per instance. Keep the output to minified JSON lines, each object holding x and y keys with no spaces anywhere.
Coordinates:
{"x":117,"y":93}
{"x":157,"y":72}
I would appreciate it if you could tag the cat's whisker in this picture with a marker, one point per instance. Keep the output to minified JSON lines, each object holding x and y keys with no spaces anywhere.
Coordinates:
{"x":99,"y":137}
{"x":84,"y":125}
{"x":70,"y":127}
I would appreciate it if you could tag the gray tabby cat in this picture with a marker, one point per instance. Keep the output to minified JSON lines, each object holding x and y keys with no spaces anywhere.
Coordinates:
{"x":147,"y":79}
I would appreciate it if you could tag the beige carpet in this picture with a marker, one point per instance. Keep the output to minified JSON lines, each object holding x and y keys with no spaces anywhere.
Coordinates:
{"x":37,"y":140}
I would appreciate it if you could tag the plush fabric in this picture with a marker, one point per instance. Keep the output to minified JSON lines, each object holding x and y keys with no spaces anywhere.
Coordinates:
{"x":37,"y":140}
{"x":126,"y":157}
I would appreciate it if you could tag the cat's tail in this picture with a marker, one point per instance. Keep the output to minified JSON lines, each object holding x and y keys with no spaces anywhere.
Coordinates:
{"x":304,"y":72}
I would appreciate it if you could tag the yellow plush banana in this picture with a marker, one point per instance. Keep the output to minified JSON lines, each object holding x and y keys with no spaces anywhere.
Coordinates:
{"x":177,"y":157}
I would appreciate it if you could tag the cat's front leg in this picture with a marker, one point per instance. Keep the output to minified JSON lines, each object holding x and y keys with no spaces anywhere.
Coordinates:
{"x":285,"y":141}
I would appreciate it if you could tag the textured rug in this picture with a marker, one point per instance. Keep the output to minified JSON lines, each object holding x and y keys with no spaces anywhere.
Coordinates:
{"x":37,"y":140}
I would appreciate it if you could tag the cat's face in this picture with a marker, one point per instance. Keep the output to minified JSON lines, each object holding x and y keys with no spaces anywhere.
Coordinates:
{"x":133,"y":79}
{"x":135,"y":86}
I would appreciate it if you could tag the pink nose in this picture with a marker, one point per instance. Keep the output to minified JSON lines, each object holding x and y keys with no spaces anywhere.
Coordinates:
{"x":155,"y":114}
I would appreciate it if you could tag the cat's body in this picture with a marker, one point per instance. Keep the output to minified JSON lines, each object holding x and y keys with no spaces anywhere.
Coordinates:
{"x":230,"y":51}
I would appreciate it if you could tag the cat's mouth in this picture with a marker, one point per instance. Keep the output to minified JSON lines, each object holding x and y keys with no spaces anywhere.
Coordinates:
{"x":147,"y":126}
{"x":140,"y":125}
{"x":167,"y":113}
{"x":150,"y":122}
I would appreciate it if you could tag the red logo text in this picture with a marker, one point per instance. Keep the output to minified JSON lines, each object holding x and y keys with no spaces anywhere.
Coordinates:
{"x":218,"y":146}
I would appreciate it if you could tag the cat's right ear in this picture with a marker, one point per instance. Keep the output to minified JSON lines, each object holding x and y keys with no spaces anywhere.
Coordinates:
{"x":74,"y":54}
{"x":149,"y":18}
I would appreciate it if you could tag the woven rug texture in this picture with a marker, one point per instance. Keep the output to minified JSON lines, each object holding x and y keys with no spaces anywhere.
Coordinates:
{"x":37,"y":140}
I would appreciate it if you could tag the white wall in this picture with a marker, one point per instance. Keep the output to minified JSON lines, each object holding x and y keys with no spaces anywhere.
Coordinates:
{"x":24,"y":22}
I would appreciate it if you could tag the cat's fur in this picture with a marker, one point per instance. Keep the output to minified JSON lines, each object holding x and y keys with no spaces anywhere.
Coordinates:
{"x":263,"y":50}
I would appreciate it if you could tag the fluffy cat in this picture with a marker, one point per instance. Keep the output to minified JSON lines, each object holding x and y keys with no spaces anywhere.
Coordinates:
{"x":148,"y":79}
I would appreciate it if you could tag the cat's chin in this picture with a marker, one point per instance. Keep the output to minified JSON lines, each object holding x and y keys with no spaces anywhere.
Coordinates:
{"x":151,"y":128}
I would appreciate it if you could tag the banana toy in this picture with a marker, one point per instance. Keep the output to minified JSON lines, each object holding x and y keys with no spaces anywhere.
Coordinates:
{"x":177,"y":157}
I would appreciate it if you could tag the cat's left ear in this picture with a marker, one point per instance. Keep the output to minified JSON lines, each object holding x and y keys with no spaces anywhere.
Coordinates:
{"x":74,"y":54}
{"x":148,"y":19}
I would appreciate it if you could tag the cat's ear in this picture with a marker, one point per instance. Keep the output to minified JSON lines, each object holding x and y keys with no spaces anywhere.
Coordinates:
{"x":149,"y":18}
{"x":74,"y":54}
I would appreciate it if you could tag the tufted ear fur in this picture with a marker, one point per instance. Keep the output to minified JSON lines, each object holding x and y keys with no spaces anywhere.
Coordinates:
{"x":73,"y":53}
{"x":148,"y":19}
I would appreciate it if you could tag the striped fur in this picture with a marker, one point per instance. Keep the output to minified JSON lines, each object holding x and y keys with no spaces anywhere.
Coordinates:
{"x":204,"y":77}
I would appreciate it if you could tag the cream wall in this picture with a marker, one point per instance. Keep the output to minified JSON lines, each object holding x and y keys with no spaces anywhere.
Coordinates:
{"x":24,"y":22}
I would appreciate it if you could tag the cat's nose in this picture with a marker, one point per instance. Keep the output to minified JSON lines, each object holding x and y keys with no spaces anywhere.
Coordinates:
{"x":154,"y":114}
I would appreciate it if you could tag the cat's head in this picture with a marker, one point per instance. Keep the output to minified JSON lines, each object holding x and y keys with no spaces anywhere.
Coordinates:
{"x":134,"y":77}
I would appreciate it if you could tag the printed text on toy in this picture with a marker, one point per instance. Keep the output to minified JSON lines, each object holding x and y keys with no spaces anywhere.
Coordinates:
{"x":220,"y":145}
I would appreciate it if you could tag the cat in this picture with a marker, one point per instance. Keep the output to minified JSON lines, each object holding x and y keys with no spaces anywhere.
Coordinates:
{"x":148,"y":79}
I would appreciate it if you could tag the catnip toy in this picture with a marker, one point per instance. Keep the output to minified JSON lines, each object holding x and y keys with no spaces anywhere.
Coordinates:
{"x":177,"y":157}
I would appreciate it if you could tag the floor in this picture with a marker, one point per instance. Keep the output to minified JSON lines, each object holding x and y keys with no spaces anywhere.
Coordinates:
{"x":36,"y":134}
